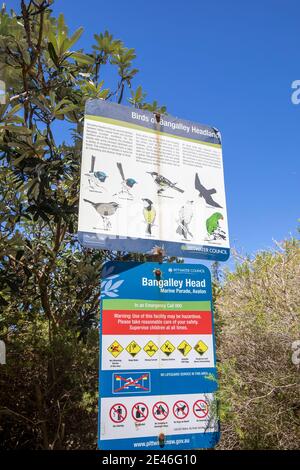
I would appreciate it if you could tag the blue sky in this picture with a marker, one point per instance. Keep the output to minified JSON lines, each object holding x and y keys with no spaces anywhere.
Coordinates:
{"x":229,"y":64}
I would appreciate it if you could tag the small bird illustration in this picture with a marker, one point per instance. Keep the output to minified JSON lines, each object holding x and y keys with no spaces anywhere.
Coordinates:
{"x":184,"y":219}
{"x":105,"y":210}
{"x":96,"y":178}
{"x":205,"y":193}
{"x":127,"y":183}
{"x":213,"y":227}
{"x":163,"y":183}
{"x":149,"y":215}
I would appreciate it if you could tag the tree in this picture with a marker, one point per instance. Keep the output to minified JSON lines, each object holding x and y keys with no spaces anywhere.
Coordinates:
{"x":49,"y":287}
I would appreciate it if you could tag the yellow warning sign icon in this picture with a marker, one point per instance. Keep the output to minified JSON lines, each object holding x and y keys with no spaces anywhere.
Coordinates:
{"x":201,"y":347}
{"x":184,"y":348}
{"x":150,"y":348}
{"x":133,"y":348}
{"x":115,"y":349}
{"x":167,"y":348}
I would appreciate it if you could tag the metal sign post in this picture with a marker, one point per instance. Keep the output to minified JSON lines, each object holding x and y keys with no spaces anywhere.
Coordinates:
{"x":154,"y":184}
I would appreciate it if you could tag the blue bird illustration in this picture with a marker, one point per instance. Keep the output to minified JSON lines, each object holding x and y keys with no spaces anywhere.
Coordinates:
{"x":127,"y":183}
{"x":96,"y":178}
{"x":100,"y":175}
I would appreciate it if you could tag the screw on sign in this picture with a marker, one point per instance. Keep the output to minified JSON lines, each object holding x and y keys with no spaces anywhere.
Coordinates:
{"x":160,"y":410}
{"x":200,"y":409}
{"x":118,"y":413}
{"x":140,"y":412}
{"x":180,"y":409}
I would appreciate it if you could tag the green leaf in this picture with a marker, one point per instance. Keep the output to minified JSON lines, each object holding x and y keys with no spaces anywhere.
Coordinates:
{"x":53,"y":54}
{"x":17,"y":129}
{"x":74,"y":38}
{"x":82,"y":58}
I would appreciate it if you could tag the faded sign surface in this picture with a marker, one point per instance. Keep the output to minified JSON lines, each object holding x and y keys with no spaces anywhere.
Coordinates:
{"x":146,"y":183}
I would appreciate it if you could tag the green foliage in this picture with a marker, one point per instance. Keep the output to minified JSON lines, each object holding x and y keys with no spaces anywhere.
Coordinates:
{"x":49,"y":285}
{"x":259,"y":313}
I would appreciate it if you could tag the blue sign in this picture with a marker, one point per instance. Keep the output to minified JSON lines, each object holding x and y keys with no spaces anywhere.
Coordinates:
{"x":157,"y":358}
{"x":148,"y":182}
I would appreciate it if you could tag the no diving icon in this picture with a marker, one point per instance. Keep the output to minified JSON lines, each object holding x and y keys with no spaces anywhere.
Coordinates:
{"x":118,"y":413}
{"x":200,"y":409}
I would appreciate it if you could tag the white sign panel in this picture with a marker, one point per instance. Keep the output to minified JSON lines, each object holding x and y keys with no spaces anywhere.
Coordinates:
{"x":146,"y":183}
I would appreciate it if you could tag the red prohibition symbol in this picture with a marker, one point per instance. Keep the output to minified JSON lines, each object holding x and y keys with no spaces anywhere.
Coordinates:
{"x":118,"y":413}
{"x":181,"y":409}
{"x":160,"y":410}
{"x":140,"y":412}
{"x":200,"y":409}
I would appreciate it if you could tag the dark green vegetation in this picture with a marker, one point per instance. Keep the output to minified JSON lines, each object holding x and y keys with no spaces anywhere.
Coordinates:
{"x":49,"y":285}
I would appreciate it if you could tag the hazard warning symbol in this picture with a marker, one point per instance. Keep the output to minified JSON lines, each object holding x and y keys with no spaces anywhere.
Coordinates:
{"x":184,"y":348}
{"x":160,"y":410}
{"x":200,"y":409}
{"x":133,"y":348}
{"x":181,"y":409}
{"x":115,"y":349}
{"x":150,"y":348}
{"x":140,"y":412}
{"x":118,"y":413}
{"x":167,"y":348}
{"x":201,"y":347}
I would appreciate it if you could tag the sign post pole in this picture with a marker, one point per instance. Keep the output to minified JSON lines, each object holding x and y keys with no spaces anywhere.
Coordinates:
{"x":154,"y":185}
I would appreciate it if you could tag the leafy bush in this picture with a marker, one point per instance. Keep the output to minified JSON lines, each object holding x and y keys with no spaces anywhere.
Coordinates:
{"x":259,"y":312}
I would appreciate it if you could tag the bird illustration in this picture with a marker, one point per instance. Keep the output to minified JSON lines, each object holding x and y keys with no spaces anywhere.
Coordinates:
{"x":213,"y":227}
{"x":105,"y":210}
{"x":163,"y":183}
{"x":96,"y":178}
{"x":184,"y":219}
{"x":149,"y":215}
{"x":127,"y":183}
{"x":205,"y":193}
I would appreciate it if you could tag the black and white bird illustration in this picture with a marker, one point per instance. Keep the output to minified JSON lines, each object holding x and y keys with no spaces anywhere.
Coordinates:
{"x":184,"y":219}
{"x":163,"y":183}
{"x":96,"y":178}
{"x":127,"y":183}
{"x":149,"y":213}
{"x":105,"y":210}
{"x":205,"y":193}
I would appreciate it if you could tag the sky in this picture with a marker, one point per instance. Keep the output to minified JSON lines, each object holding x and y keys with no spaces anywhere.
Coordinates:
{"x":228,"y":64}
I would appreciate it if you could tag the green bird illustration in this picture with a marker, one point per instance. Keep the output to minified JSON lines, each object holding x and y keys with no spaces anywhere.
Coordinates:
{"x":149,"y":213}
{"x":212,"y":226}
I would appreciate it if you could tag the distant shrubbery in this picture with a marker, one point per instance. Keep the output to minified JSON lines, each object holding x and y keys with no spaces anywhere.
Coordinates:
{"x":258,"y":319}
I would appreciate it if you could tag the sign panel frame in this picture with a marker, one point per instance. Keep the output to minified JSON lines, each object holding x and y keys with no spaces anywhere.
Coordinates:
{"x":171,"y":391}
{"x":146,"y":183}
